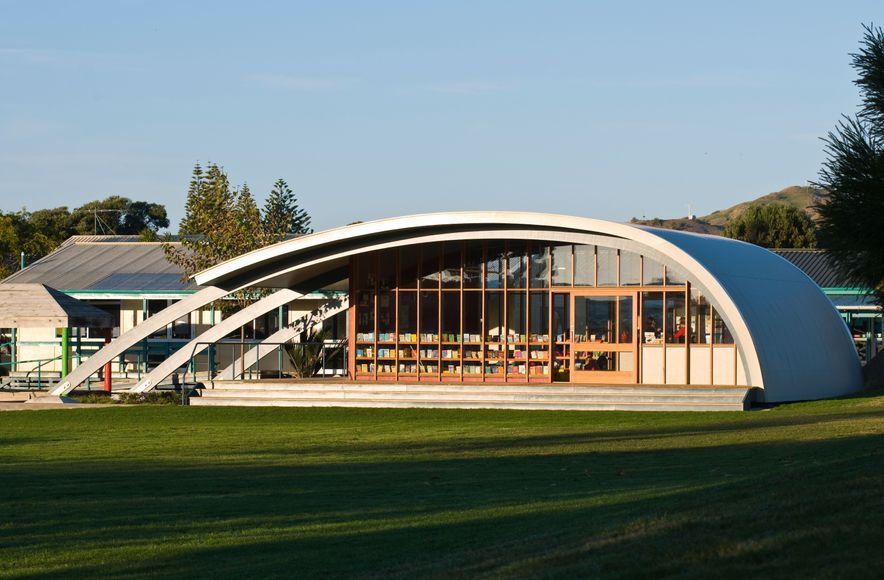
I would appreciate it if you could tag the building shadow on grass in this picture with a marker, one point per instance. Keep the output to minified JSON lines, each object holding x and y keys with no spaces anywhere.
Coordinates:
{"x":805,"y":508}
{"x":592,"y":435}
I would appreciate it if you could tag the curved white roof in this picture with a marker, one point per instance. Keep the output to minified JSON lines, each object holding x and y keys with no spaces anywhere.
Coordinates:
{"x":792,"y":341}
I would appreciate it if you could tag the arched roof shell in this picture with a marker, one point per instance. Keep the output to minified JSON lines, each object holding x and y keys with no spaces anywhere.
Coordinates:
{"x":791,"y":339}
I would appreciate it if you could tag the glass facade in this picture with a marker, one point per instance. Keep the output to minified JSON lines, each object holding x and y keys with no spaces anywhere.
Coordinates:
{"x":527,"y":311}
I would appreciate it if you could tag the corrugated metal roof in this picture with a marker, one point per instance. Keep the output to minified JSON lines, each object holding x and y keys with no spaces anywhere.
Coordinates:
{"x":112,"y":263}
{"x":818,"y":265}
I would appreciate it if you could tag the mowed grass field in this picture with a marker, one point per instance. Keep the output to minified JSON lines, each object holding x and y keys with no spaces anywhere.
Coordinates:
{"x":796,"y":491}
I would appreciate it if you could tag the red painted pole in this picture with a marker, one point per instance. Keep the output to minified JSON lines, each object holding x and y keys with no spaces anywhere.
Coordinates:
{"x":107,"y":367}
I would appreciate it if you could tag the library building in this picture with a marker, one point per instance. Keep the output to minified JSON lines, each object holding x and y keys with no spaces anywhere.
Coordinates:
{"x":513,"y":297}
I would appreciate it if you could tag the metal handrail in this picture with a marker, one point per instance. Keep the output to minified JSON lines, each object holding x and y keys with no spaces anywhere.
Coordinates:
{"x":339,"y":344}
{"x":39,"y":368}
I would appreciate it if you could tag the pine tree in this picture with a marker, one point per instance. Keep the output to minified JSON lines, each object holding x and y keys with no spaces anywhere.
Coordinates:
{"x":221,"y":223}
{"x":851,"y":225}
{"x":282,"y":215}
{"x":204,"y":231}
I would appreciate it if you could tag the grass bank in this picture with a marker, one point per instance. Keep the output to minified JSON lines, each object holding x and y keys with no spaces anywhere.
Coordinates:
{"x":796,"y":491}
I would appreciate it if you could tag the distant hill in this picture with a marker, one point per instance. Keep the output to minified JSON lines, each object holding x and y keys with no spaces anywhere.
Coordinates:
{"x":802,"y":197}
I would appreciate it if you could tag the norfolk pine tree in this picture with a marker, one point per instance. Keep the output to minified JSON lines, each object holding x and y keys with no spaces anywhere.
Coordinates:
{"x":851,"y":224}
{"x":221,"y":223}
{"x":282,"y":215}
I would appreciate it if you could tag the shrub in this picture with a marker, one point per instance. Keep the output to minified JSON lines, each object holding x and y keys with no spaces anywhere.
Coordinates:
{"x":152,"y":398}
{"x":95,"y":398}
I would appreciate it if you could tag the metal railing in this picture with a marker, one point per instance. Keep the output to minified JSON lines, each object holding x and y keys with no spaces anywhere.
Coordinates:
{"x":253,"y":359}
{"x":27,"y":374}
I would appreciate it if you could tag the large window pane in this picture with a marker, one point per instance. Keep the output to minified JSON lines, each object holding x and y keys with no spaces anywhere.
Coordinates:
{"x":181,"y":327}
{"x":607,"y":266}
{"x":494,"y":266}
{"x":386,"y":316}
{"x":630,"y":268}
{"x":494,"y":316}
{"x":429,"y":266}
{"x":675,"y":277}
{"x":515,"y":314}
{"x":538,"y":316}
{"x":595,"y":318}
{"x":652,"y":317}
{"x":366,"y":271}
{"x":429,"y":317}
{"x":539,"y":265}
{"x":701,"y":319}
{"x":561,"y":317}
{"x":517,"y":262}
{"x":365,"y":316}
{"x":561,"y":265}
{"x":584,"y":265}
{"x":472,"y":316}
{"x":653,"y":272}
{"x":408,"y":257}
{"x":472,"y":266}
{"x":624,"y":319}
{"x":676,"y":320}
{"x":387,"y":269}
{"x":451,"y":265}
{"x":408,"y":316}
{"x":721,"y":334}
{"x":451,"y":316}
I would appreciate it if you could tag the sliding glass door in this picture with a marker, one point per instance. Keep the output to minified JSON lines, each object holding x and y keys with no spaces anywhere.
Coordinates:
{"x":604,"y":342}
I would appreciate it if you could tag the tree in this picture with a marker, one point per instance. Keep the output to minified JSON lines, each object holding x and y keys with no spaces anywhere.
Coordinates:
{"x":221,"y":223}
{"x":119,"y":215}
{"x":851,"y":224}
{"x":282,"y":215}
{"x":141,"y":217}
{"x":10,"y":245}
{"x":39,"y":232}
{"x":773,"y":225}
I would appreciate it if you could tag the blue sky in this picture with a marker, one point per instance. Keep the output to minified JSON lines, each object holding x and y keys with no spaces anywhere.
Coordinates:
{"x":375,"y":109}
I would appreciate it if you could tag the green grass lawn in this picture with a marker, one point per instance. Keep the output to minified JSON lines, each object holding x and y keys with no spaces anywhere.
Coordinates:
{"x":796,"y":491}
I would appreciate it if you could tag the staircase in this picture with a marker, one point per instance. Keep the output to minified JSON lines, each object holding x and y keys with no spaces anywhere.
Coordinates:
{"x":29,"y":380}
{"x":343,"y":393}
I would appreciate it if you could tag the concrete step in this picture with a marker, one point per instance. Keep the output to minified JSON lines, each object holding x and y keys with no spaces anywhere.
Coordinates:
{"x":473,"y":396}
{"x":487,"y":396}
{"x":333,"y":387}
{"x":448,"y":404}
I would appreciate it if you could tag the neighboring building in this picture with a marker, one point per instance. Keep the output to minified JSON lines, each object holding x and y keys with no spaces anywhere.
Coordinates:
{"x":491,"y":297}
{"x":131,"y":280}
{"x":856,"y":305}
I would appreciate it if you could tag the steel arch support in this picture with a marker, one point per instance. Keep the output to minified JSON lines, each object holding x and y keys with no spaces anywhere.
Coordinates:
{"x":213,"y":335}
{"x":132,"y":337}
{"x":327,"y":310}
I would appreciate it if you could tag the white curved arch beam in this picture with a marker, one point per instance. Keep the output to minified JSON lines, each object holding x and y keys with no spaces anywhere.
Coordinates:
{"x":213,"y":335}
{"x":283,"y":335}
{"x":135,"y":335}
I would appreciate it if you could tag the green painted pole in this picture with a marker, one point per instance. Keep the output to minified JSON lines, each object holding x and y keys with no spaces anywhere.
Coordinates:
{"x":212,"y":347}
{"x":65,"y":351}
{"x":279,"y":325}
{"x":21,"y":262}
{"x":14,"y":349}
{"x":145,"y":350}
